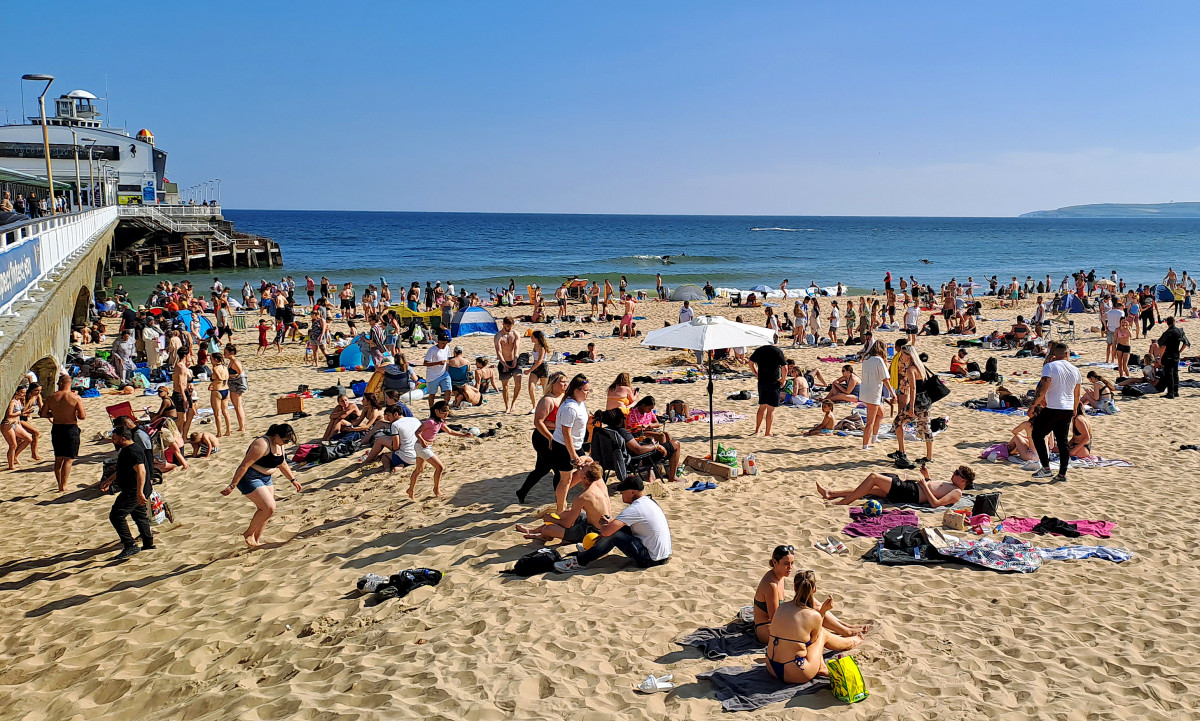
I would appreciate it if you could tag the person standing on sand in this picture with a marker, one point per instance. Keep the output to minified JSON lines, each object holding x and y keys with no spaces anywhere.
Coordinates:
{"x":507,"y":365}
{"x":133,"y":481}
{"x":560,"y":295}
{"x":767,"y":363}
{"x":253,"y":477}
{"x":237,"y":385}
{"x":1054,"y":408}
{"x":783,"y":288}
{"x":181,"y":380}
{"x":544,"y":417}
{"x":1172,"y":341}
{"x":64,"y":408}
{"x":630,"y":305}
{"x":658,"y":286}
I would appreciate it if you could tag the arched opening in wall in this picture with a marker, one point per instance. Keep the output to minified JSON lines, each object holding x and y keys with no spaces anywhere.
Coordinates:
{"x":98,"y":286}
{"x":79,"y":316}
{"x":46,"y":371}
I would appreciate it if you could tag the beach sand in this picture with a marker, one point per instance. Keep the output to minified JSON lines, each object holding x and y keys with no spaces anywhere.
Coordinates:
{"x":203,"y":628}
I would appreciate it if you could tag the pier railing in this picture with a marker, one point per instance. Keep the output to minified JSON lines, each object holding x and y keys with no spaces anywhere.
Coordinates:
{"x":179,"y":219}
{"x":32,"y":250}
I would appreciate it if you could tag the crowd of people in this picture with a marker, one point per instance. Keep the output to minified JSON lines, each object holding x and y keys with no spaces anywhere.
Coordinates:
{"x":171,"y":344}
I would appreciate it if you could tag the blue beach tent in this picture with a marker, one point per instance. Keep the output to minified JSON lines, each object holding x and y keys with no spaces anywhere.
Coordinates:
{"x":472,"y":320}
{"x":205,"y":324}
{"x":353,"y":356}
{"x":1069,"y":303}
{"x":1163,"y":294}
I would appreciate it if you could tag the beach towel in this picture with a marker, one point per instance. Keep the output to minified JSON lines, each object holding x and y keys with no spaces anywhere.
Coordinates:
{"x":720,"y":417}
{"x":1096,"y":462}
{"x":1069,"y":553}
{"x":1003,"y":411}
{"x":1011,"y":555}
{"x":1099,"y":529}
{"x":736,"y":639}
{"x":892,"y":557}
{"x":964,"y":502}
{"x":839,"y":359}
{"x":746,"y":688}
{"x":863,"y":526}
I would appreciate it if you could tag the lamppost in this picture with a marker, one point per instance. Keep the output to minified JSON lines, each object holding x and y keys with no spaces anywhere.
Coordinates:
{"x":78,"y":182}
{"x":218,"y":192}
{"x":91,"y":173}
{"x":49,"y":80}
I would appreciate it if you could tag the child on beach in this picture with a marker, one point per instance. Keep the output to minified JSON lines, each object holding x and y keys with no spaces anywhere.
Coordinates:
{"x":280,"y":329}
{"x":827,"y":422}
{"x":203,"y":444}
{"x":430,"y":427}
{"x":263,"y":327}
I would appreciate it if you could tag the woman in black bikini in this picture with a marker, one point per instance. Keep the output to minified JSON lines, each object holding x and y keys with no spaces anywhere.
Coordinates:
{"x":796,"y":637}
{"x":771,"y":589}
{"x":1102,"y":389}
{"x":253,"y":477}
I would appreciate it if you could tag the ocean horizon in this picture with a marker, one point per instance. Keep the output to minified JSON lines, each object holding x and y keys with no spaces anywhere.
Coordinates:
{"x":479,"y":250}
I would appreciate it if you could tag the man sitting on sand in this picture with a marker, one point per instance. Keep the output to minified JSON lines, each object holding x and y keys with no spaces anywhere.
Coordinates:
{"x":921,"y":491}
{"x":640,"y":532}
{"x":842,"y":389}
{"x":590,"y":508}
{"x":344,"y":415}
{"x":399,"y":447}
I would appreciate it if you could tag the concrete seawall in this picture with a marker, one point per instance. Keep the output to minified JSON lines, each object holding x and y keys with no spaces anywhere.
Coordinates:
{"x":37,"y":330}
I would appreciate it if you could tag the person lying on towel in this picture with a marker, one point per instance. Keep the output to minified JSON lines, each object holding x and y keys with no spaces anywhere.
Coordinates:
{"x":921,"y":491}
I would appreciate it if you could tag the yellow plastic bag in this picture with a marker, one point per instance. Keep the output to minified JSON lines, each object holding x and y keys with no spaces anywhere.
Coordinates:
{"x":845,"y":679}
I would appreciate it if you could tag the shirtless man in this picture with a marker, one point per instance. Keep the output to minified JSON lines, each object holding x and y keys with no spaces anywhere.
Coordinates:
{"x":560,"y":295}
{"x":506,"y":366}
{"x":181,"y":380}
{"x":889,"y":487}
{"x":594,"y":295}
{"x":589,"y":510}
{"x":630,"y":305}
{"x":64,"y":408}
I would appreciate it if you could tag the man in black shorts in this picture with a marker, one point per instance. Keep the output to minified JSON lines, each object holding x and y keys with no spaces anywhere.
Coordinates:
{"x":921,"y":491}
{"x":65,"y":409}
{"x":767,"y":363}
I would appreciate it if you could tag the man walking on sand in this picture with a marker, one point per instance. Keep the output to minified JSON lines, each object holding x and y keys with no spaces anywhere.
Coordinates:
{"x":506,"y":352}
{"x":1053,"y":411}
{"x":627,"y":317}
{"x":767,"y":363}
{"x":65,"y":409}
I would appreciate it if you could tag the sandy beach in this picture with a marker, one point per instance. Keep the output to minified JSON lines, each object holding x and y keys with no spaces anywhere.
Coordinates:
{"x":203,"y":628}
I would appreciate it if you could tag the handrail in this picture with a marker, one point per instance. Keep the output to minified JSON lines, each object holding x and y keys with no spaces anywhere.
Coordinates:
{"x":176,"y":226}
{"x":31,"y":251}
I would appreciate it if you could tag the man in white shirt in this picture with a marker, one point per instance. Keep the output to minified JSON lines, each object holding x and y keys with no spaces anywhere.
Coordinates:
{"x":912,"y":321}
{"x":685,"y":313}
{"x":640,"y":532}
{"x":399,"y":446}
{"x":1112,"y":321}
{"x":1053,"y":411}
{"x":436,"y":377}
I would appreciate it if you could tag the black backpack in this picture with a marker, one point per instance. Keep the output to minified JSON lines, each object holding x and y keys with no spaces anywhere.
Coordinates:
{"x":991,"y":371}
{"x":539,"y":561}
{"x":903,"y":538}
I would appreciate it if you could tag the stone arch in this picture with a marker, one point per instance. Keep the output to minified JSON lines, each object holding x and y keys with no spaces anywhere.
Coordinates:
{"x":79,"y":315}
{"x":98,"y":282}
{"x":46,"y":371}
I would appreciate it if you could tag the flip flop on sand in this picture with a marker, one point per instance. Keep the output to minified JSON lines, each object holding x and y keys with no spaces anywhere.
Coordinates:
{"x":838,"y":548}
{"x":652,"y":684}
{"x":824,"y":546}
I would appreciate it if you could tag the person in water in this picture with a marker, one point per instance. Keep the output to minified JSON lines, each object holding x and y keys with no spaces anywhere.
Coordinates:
{"x":797,"y":637}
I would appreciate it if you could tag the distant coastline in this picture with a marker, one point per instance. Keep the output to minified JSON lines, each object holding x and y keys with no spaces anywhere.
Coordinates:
{"x":1121,"y":210}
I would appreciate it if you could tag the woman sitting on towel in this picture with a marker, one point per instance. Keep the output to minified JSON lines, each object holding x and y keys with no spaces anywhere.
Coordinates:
{"x":772,"y":590}
{"x":797,"y":637}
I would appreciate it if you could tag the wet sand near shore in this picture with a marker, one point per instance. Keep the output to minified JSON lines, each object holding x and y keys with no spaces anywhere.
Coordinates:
{"x":203,"y":628}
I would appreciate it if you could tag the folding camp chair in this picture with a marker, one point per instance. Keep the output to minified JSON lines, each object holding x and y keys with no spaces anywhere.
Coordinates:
{"x":610,"y":452}
{"x":1062,"y":333}
{"x":120,"y":409}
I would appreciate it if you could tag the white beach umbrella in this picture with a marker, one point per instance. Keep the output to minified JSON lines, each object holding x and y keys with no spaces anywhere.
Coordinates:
{"x":706,"y":333}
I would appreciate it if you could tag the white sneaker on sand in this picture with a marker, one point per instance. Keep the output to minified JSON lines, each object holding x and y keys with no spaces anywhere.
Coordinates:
{"x":568,"y":565}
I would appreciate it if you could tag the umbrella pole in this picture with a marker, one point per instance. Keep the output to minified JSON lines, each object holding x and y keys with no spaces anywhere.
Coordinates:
{"x":712,"y":449}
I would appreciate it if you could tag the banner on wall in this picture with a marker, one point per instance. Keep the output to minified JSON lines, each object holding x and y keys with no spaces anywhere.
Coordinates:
{"x":19,"y":265}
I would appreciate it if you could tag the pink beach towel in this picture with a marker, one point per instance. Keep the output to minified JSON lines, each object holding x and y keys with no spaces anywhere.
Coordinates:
{"x":864,"y":526}
{"x":1100,"y":529}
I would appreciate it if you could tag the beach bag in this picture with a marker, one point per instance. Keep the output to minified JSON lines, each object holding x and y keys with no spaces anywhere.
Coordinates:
{"x":845,"y":680}
{"x":933,"y":388}
{"x":539,"y":561}
{"x":987,"y":503}
{"x":903,"y":538}
{"x":993,"y":400}
{"x":303,"y":452}
{"x":159,"y":512}
{"x":954,"y":521}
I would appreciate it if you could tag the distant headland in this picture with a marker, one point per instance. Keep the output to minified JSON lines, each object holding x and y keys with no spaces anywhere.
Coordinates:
{"x":1121,"y":210}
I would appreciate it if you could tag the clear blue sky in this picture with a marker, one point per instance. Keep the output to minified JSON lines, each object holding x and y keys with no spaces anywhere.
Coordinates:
{"x":848,"y":108}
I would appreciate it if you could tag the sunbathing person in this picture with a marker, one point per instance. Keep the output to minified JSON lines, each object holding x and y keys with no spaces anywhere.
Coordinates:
{"x":1080,"y":445}
{"x":771,"y":589}
{"x":797,"y":638}
{"x":827,"y":422}
{"x":1021,"y":444}
{"x":1102,"y":389}
{"x":958,"y":364}
{"x":921,"y":491}
{"x":842,"y":389}
{"x":590,"y":509}
{"x":966,"y":323}
{"x":344,"y":415}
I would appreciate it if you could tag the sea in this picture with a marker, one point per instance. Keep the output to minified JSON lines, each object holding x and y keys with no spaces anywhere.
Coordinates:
{"x":478,"y":251}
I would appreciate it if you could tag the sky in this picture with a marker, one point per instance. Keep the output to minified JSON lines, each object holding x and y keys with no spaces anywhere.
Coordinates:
{"x":773,"y":108}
